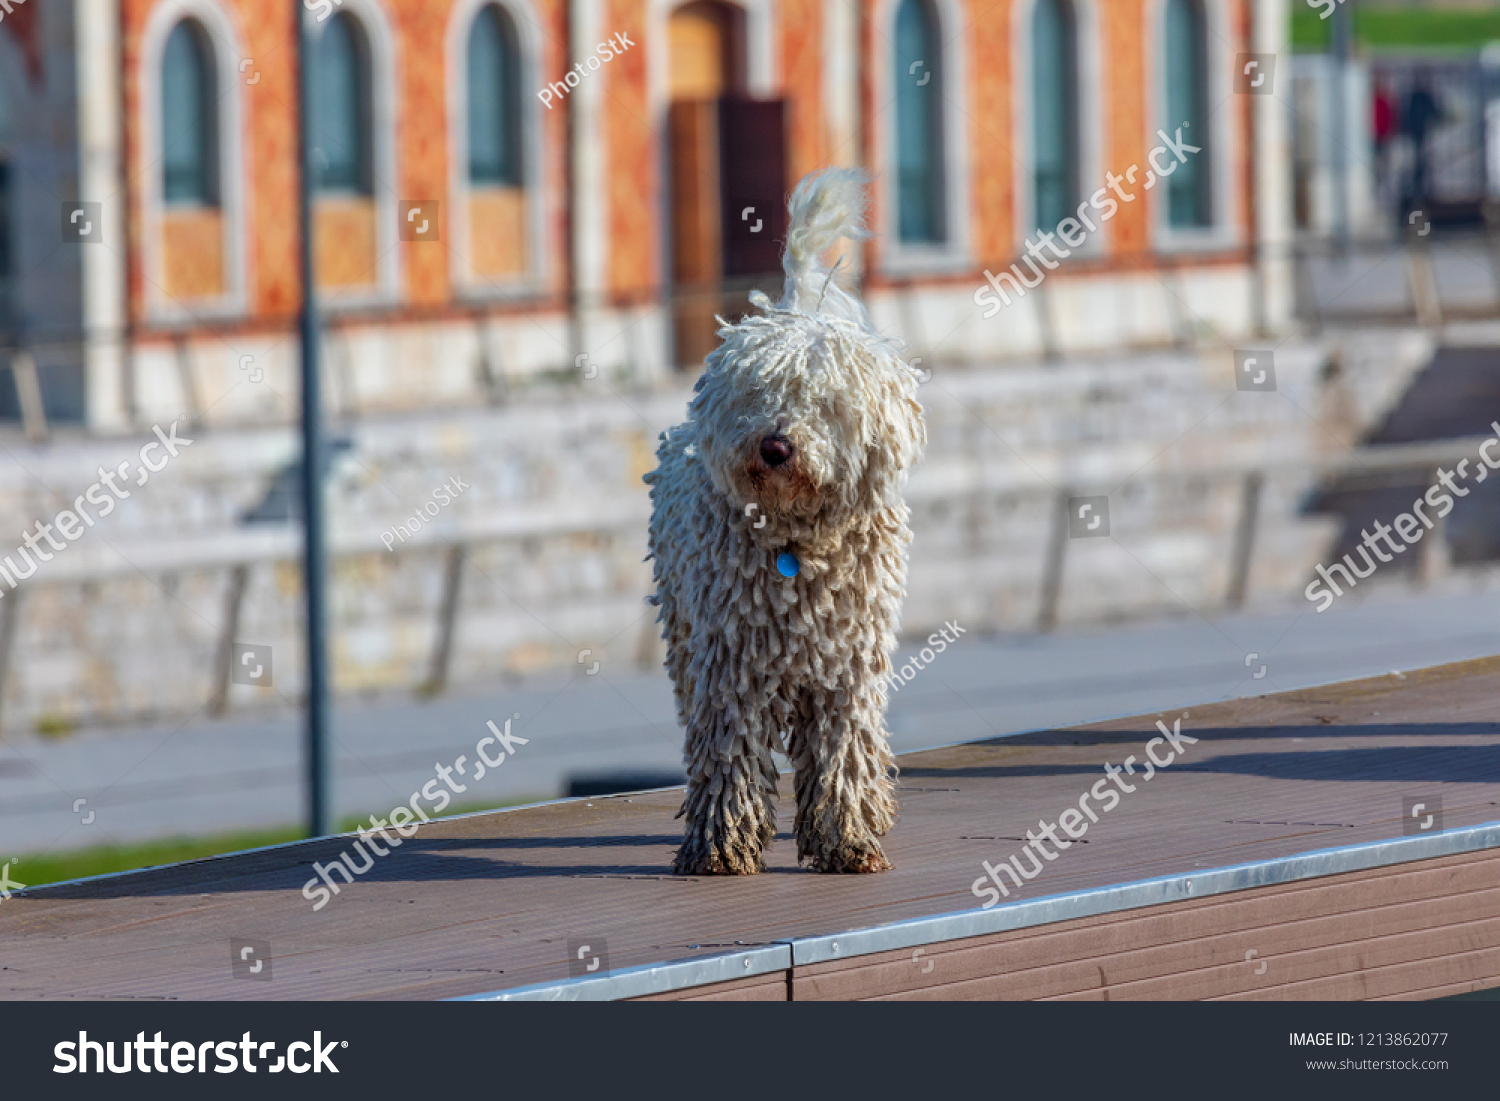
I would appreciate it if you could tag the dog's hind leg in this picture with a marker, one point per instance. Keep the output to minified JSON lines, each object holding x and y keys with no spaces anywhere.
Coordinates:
{"x":845,"y":793}
{"x":730,"y":804}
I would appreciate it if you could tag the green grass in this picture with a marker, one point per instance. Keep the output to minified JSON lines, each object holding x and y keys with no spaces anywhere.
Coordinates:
{"x":55,"y":726}
{"x":56,"y":867}
{"x":1385,"y":28}
{"x":52,"y":867}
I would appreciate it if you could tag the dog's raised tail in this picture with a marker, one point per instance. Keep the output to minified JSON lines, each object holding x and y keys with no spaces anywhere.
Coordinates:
{"x":825,"y":206}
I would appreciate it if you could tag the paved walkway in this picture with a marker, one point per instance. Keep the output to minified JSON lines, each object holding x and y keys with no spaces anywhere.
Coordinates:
{"x":238,"y":773}
{"x":1181,"y":881}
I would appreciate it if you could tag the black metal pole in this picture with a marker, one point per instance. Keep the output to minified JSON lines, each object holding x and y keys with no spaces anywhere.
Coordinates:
{"x":1342,"y":34}
{"x":313,"y":456}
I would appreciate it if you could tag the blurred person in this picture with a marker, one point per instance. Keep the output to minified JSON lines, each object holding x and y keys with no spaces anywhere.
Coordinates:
{"x":1384,"y":125}
{"x":1417,"y":121}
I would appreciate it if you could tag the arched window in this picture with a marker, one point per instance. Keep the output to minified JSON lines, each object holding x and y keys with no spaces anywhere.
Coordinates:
{"x":189,"y":108}
{"x":1054,"y":131}
{"x":494,"y":100}
{"x":919,"y":124}
{"x":1188,"y":195}
{"x":341,"y":106}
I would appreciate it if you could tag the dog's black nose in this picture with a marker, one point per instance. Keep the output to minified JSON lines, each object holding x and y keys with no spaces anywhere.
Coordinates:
{"x":775,"y":450}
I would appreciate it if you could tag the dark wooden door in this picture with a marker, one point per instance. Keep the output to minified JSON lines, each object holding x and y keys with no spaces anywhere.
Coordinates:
{"x":697,"y":250}
{"x":753,"y":185}
{"x":727,"y":159}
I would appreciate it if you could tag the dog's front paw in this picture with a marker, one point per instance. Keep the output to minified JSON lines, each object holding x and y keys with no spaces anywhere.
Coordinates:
{"x":849,"y":858}
{"x":709,"y":860}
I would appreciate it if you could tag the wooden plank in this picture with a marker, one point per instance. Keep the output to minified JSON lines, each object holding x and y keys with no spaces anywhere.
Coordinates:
{"x":693,"y":163}
{"x":697,"y":251}
{"x":490,"y":901}
{"x":1480,"y":967}
{"x":1348,"y":965}
{"x":1444,"y":990}
{"x":1190,"y":949}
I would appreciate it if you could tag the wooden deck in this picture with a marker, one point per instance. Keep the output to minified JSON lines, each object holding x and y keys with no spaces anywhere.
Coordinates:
{"x":1194,"y":886}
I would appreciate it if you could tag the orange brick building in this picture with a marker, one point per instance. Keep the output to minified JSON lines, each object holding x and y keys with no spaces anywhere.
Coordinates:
{"x":520,"y":186}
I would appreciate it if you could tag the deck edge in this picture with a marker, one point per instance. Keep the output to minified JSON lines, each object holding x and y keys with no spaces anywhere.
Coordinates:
{"x":1206,"y":883}
{"x":961,"y":925}
{"x":651,"y":978}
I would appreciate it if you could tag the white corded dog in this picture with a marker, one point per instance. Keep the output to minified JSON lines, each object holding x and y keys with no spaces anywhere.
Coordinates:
{"x":779,"y":536}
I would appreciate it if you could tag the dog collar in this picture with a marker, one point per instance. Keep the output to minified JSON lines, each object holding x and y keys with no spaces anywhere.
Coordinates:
{"x":787,"y":564}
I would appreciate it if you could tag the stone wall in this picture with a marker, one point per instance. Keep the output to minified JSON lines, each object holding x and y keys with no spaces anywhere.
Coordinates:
{"x":127,"y":622}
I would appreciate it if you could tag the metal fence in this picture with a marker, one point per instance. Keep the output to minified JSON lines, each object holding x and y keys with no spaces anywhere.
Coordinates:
{"x":1382,"y":465}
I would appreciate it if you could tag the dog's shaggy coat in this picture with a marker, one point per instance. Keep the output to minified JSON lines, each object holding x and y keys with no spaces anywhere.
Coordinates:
{"x":804,"y":425}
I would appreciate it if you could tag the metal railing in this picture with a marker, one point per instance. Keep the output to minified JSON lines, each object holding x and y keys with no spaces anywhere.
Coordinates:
{"x":1415,"y":255}
{"x":1384,"y":465}
{"x":1381,"y":465}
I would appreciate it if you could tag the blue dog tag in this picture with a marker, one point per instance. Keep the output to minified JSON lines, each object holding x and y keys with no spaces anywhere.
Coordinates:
{"x":787,"y":564}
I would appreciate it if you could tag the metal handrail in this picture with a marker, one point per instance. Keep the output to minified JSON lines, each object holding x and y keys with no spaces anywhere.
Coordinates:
{"x":457,"y":541}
